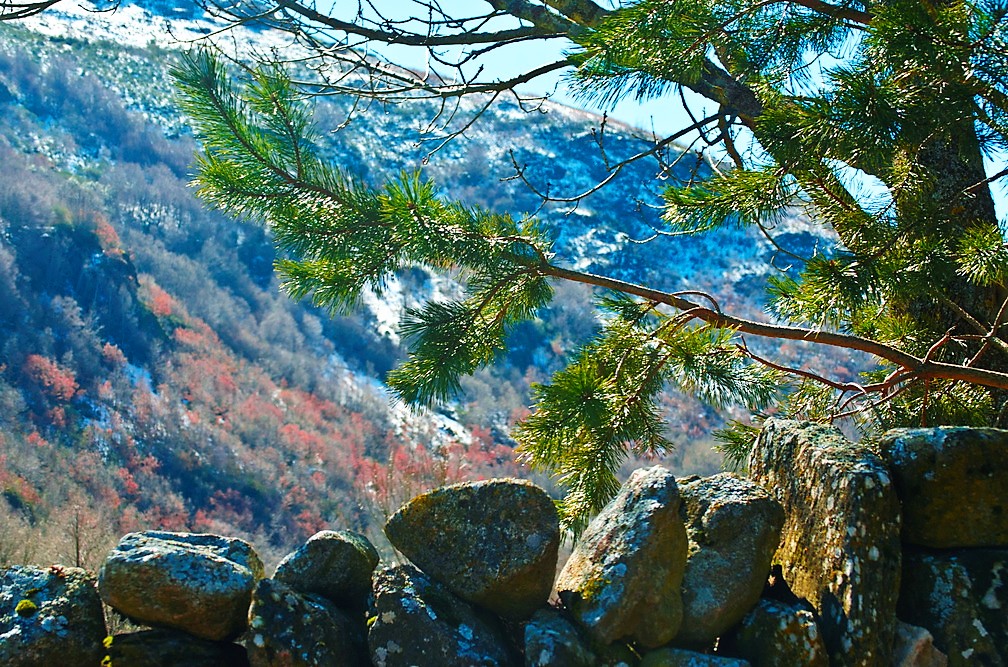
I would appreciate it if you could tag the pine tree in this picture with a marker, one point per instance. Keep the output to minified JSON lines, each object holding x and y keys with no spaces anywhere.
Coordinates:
{"x":814,"y":99}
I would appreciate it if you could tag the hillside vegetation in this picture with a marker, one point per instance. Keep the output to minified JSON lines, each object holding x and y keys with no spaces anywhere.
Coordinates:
{"x":153,"y":375}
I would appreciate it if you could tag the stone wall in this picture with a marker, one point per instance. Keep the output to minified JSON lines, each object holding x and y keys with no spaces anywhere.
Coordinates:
{"x":829,"y":553}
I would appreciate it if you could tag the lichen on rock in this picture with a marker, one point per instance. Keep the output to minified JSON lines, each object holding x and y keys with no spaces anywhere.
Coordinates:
{"x":624,"y":576}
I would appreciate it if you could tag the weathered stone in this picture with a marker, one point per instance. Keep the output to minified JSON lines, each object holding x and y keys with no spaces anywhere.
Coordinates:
{"x":840,"y":547}
{"x":171,"y":648}
{"x":50,"y":616}
{"x":960,"y":598}
{"x":288,"y":629}
{"x":553,"y":641}
{"x":417,"y":621}
{"x":677,"y":657}
{"x":623,"y":579}
{"x":334,"y":564}
{"x":915,"y":648}
{"x":954,"y":485}
{"x":777,"y":634}
{"x":733,"y":527}
{"x":201,"y":584}
{"x":493,"y":543}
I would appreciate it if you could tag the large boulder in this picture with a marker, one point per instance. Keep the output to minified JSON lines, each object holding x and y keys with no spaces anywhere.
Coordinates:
{"x":493,"y":543}
{"x":334,"y":564}
{"x":840,"y":546}
{"x":624,"y":577}
{"x":50,"y":616}
{"x":170,"y":648}
{"x":201,"y":584}
{"x":733,"y":527}
{"x":287,"y":629}
{"x":954,"y":485}
{"x":417,"y":621}
{"x":778,"y":634}
{"x":960,"y":597}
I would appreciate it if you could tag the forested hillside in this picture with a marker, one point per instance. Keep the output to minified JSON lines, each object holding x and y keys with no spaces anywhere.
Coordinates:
{"x":153,"y":375}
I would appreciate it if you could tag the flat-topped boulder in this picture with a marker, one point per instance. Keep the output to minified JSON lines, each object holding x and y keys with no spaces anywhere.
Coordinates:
{"x":50,"y":616}
{"x":734,"y":527}
{"x":493,"y":543}
{"x":198,"y":583}
{"x":954,"y":485}
{"x":624,"y":577}
{"x":840,"y":546}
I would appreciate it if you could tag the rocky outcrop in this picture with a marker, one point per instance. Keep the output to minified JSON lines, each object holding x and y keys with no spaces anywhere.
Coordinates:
{"x":288,"y":629}
{"x":417,"y":621}
{"x":334,"y":564}
{"x":840,"y":547}
{"x":734,"y":528}
{"x":943,"y":471}
{"x":624,"y":578}
{"x":201,"y":584}
{"x":492,"y":543}
{"x":667,"y":574}
{"x":50,"y":616}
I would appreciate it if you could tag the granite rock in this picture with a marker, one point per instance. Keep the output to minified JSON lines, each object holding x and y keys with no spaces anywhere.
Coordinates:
{"x":417,"y":621}
{"x":50,"y":616}
{"x":733,"y":527}
{"x":623,"y":579}
{"x":198,"y":583}
{"x":288,"y":629}
{"x":840,"y":546}
{"x":954,"y":484}
{"x":334,"y":564}
{"x":493,"y":543}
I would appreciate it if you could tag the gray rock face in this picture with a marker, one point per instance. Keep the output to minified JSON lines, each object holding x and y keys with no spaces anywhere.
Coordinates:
{"x":417,"y":621}
{"x":492,"y":543}
{"x":954,"y":483}
{"x":287,"y":629}
{"x":553,"y":641}
{"x":915,"y":648}
{"x":50,"y":617}
{"x":171,"y":648}
{"x":334,"y":564}
{"x":677,"y":657}
{"x":840,"y":547}
{"x":961,"y":598}
{"x":201,"y":584}
{"x":734,"y":528}
{"x":623,"y":579}
{"x":775,"y":634}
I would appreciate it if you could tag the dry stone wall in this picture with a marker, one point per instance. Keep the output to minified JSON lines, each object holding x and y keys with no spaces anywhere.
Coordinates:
{"x":829,"y":553}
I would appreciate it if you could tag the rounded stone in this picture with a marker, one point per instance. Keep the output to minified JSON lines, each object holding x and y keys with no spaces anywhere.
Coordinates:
{"x":50,"y":616}
{"x":624,"y":576}
{"x":334,"y":564}
{"x":734,"y":528}
{"x":493,"y":543}
{"x":198,"y":583}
